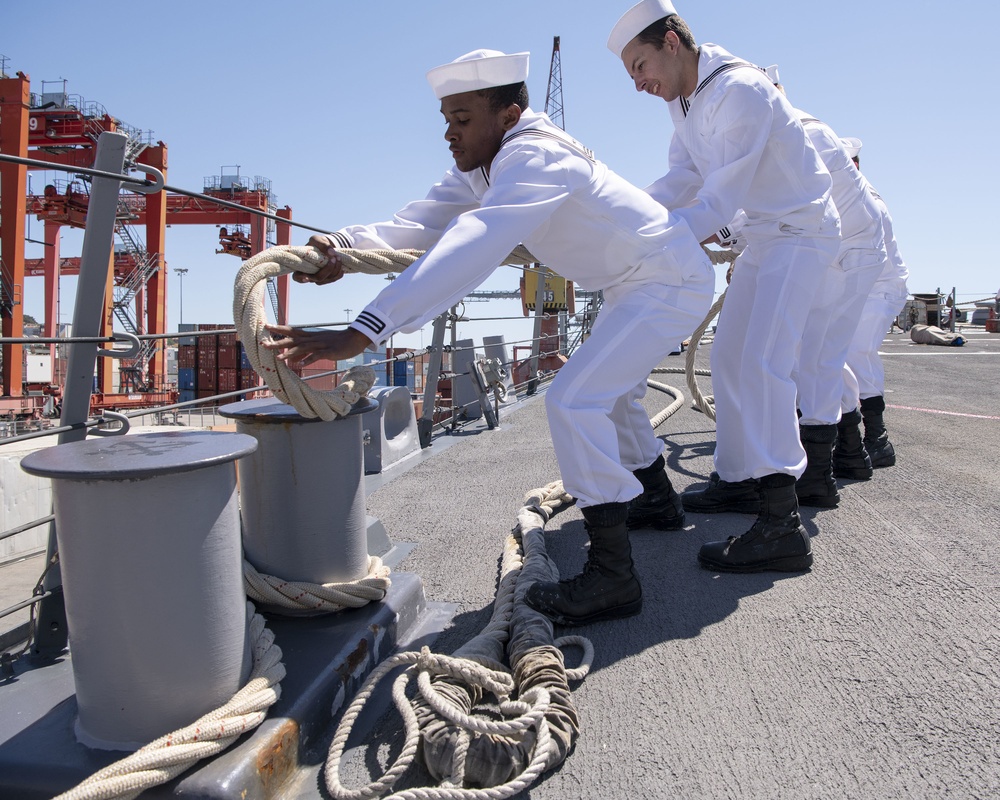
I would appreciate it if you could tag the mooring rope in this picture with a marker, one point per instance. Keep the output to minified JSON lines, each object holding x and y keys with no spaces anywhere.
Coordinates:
{"x":170,"y":755}
{"x":533,"y":711}
{"x":323,"y":598}
{"x":248,"y":314}
{"x":702,"y":402}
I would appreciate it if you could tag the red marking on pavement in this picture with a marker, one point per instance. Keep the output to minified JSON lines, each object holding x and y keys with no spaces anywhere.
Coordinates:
{"x":936,"y":411}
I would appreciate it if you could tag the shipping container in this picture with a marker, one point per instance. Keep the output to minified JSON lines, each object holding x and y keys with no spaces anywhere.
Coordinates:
{"x":187,"y":340}
{"x":186,"y":395}
{"x":228,"y":380}
{"x":187,"y":356}
{"x":208,"y":357}
{"x":326,"y":383}
{"x":228,"y":356}
{"x":249,"y":378}
{"x":207,"y":378}
{"x":404,"y":374}
{"x":187,"y":377}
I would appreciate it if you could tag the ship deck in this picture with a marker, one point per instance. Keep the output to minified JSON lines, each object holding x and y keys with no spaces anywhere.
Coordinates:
{"x":875,"y":675}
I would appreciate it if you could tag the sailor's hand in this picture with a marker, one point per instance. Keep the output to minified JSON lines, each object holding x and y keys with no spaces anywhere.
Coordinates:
{"x":302,"y":347}
{"x":332,"y":271}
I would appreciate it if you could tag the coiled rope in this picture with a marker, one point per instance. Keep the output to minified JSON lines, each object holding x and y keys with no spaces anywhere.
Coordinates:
{"x":537,"y":729}
{"x":315,"y":598}
{"x":248,"y":314}
{"x":170,"y":755}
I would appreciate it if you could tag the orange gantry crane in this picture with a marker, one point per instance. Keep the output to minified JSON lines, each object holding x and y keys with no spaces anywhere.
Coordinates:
{"x":60,"y":129}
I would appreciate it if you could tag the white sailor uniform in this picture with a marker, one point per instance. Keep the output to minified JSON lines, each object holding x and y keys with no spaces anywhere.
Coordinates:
{"x":589,"y":225}
{"x":864,"y":375}
{"x":835,"y":314}
{"x":738,"y":144}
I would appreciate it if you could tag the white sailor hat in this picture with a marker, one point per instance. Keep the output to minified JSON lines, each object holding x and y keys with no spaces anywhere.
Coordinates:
{"x":852,"y":146}
{"x":480,"y":69}
{"x":635,"y":21}
{"x":772,"y":74}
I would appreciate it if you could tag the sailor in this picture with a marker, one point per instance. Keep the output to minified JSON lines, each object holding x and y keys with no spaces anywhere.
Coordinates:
{"x":737,"y":144}
{"x":832,"y":440}
{"x":518,"y":178}
{"x":864,"y":376}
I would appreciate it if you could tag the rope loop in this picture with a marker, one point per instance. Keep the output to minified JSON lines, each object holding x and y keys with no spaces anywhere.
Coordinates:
{"x":248,"y":315}
{"x":318,"y":598}
{"x":497,"y":683}
{"x":586,"y":660}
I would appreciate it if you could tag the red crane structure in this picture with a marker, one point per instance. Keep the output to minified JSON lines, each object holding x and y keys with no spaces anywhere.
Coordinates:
{"x":63,"y":130}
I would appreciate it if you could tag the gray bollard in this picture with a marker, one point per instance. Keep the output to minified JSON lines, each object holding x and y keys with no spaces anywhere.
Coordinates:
{"x":302,"y":493}
{"x":148,"y":532}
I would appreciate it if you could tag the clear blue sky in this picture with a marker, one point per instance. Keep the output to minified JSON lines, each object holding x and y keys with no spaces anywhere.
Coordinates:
{"x":329,"y":101}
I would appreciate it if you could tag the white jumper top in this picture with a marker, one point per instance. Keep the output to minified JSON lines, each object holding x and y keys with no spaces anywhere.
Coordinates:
{"x":544,"y":190}
{"x":738,"y":144}
{"x":892,"y":279}
{"x":860,"y":216}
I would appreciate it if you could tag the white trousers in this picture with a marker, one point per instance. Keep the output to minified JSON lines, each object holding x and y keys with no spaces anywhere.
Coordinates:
{"x":774,"y":284}
{"x":864,"y":375}
{"x":833,"y":321}
{"x":600,"y":430}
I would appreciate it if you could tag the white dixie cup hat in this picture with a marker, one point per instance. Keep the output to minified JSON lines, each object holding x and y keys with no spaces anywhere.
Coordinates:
{"x":635,"y":21}
{"x":480,"y":69}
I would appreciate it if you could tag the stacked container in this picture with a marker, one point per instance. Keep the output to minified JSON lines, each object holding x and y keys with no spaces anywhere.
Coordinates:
{"x":212,"y":365}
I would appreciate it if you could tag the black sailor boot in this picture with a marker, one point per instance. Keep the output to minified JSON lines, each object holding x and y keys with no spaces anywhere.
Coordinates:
{"x":659,"y":506}
{"x":850,"y":458}
{"x":877,"y":443}
{"x":817,"y":486}
{"x":719,"y":495}
{"x":776,"y":541}
{"x":607,"y":588}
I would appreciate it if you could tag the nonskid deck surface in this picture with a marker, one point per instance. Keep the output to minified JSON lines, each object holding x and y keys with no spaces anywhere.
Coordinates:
{"x":873,"y":676}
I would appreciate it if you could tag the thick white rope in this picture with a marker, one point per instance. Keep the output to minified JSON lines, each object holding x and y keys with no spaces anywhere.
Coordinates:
{"x":704,"y":402}
{"x":701,"y":401}
{"x":170,"y":755}
{"x":248,"y":314}
{"x":521,"y":716}
{"x":323,"y":598}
